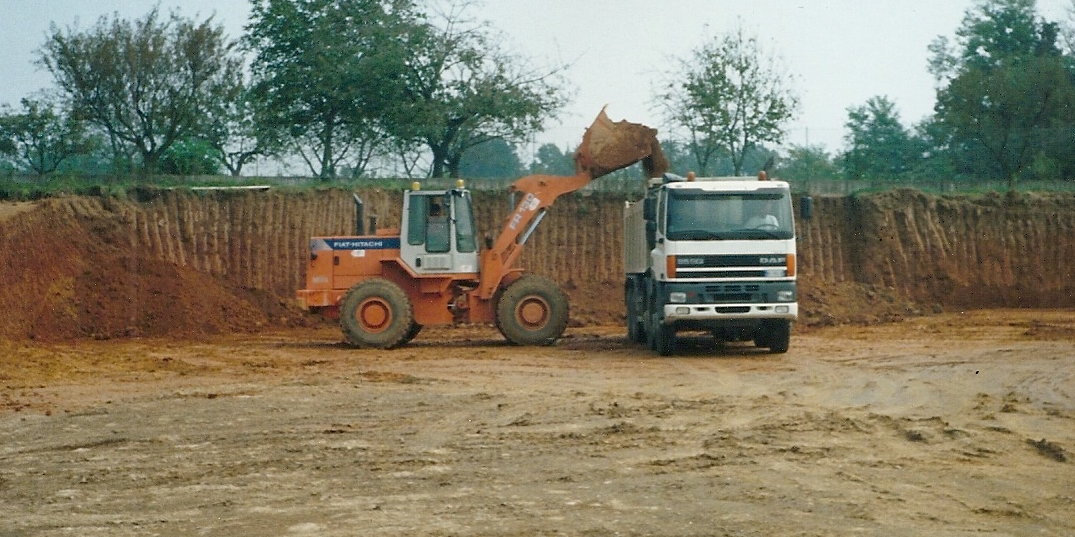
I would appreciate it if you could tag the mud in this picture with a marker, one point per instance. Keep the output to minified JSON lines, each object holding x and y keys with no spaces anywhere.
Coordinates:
{"x":155,"y":379}
{"x":953,"y":424}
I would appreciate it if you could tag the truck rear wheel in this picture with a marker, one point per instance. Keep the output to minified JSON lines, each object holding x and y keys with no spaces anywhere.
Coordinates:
{"x":636,"y":331}
{"x":661,"y":337}
{"x":532,"y":311}
{"x":376,"y":313}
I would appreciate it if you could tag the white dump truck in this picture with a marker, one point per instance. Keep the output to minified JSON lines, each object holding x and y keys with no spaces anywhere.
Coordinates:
{"x":711,"y":254}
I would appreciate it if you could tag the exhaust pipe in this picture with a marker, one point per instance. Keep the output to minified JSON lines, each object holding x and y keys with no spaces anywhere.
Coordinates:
{"x":359,"y":216}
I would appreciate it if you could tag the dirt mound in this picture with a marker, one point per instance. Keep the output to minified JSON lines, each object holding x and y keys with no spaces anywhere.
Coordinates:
{"x":71,"y":270}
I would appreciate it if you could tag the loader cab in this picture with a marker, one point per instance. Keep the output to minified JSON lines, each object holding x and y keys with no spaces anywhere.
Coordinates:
{"x":437,"y":232}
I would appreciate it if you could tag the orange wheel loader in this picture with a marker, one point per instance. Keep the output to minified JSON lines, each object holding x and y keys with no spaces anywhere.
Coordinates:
{"x":384,"y":287}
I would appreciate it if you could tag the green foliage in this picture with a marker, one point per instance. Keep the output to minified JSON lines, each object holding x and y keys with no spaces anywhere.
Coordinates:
{"x":491,"y":160}
{"x":240,"y":130}
{"x":146,"y":83}
{"x":551,"y":160}
{"x":191,"y":156}
{"x":39,"y":138}
{"x":1005,"y":106}
{"x":328,"y":73}
{"x":728,"y":96}
{"x":463,"y":90}
{"x":806,"y":163}
{"x":878,"y":145}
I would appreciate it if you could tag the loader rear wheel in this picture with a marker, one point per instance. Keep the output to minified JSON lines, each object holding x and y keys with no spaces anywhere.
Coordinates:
{"x":532,"y":311}
{"x":376,"y":313}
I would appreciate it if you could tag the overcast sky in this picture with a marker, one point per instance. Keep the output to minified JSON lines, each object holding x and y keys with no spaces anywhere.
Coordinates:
{"x":841,"y":52}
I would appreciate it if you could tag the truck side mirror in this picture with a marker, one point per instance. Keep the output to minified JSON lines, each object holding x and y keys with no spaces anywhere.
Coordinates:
{"x":806,"y":207}
{"x":649,"y":209}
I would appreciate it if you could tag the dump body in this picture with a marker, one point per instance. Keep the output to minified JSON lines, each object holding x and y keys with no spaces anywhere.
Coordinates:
{"x":714,"y":255}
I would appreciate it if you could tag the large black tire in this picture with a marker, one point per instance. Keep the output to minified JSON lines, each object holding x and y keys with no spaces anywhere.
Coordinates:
{"x":778,"y":336}
{"x":532,"y":311}
{"x":412,"y":333}
{"x":636,"y":329}
{"x":664,"y":339}
{"x":376,"y":313}
{"x":661,"y":337}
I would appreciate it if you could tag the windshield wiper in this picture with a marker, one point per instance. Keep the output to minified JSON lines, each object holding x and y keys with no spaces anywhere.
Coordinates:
{"x":769,"y":233}
{"x":693,"y":235}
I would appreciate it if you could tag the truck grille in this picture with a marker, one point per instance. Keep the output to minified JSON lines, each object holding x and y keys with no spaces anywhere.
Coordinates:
{"x":732,"y":292}
{"x":731,"y":266}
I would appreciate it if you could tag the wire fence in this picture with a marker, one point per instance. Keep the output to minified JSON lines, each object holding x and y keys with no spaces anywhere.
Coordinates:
{"x":614,"y":184}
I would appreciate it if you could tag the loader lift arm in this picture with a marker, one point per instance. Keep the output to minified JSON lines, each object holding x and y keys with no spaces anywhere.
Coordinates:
{"x":606,"y":146}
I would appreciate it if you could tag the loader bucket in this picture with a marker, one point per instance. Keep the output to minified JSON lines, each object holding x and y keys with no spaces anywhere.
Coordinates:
{"x":608,"y":146}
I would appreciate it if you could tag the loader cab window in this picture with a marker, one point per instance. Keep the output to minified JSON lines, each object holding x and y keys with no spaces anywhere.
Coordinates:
{"x":416,"y":219}
{"x":428,"y":222}
{"x":438,"y":234}
{"x":432,"y":217}
{"x":465,"y":239}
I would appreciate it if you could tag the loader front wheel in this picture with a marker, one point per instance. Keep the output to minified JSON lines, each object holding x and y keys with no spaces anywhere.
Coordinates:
{"x":376,"y":313}
{"x":532,"y":311}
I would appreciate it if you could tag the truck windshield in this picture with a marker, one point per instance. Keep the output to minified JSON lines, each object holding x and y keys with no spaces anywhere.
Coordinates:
{"x":695,"y":214}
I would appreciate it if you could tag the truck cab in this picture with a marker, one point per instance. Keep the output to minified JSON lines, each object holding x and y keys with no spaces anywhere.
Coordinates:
{"x":714,"y":255}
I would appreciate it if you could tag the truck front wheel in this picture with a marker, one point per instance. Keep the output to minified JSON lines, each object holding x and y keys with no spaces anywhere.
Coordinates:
{"x":532,"y":311}
{"x":376,"y":313}
{"x":775,"y":334}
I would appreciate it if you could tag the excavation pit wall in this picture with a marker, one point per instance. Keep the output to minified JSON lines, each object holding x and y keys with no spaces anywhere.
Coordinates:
{"x":182,"y":264}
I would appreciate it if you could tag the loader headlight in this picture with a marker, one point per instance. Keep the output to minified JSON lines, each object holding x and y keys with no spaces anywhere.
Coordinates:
{"x":677,"y":297}
{"x":785,"y":296}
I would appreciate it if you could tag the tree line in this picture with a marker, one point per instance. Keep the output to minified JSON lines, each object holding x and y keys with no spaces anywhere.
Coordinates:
{"x":404,"y":88}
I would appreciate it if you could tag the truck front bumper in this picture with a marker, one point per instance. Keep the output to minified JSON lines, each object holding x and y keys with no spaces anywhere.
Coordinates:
{"x":730,"y":312}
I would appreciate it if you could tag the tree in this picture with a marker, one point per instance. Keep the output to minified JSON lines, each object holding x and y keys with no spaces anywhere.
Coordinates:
{"x":327,"y":72}
{"x":190,"y":156}
{"x":551,"y":160}
{"x":240,"y":130}
{"x":1006,"y":92}
{"x":41,"y":138}
{"x":728,"y":95}
{"x":807,"y":163}
{"x":878,"y":145}
{"x":495,"y":159}
{"x":463,"y":90}
{"x":145,"y":83}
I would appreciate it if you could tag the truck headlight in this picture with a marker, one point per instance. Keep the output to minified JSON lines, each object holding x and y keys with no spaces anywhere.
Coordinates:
{"x":785,"y":296}
{"x":677,"y":297}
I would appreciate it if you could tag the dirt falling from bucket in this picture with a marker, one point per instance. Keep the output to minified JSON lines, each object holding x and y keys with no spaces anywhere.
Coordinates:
{"x":609,"y":145}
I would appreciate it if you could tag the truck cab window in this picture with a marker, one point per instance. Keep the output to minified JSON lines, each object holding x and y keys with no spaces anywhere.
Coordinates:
{"x":700,"y":215}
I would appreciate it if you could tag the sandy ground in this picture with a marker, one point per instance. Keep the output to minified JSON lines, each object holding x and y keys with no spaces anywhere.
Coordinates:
{"x":955,"y":424}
